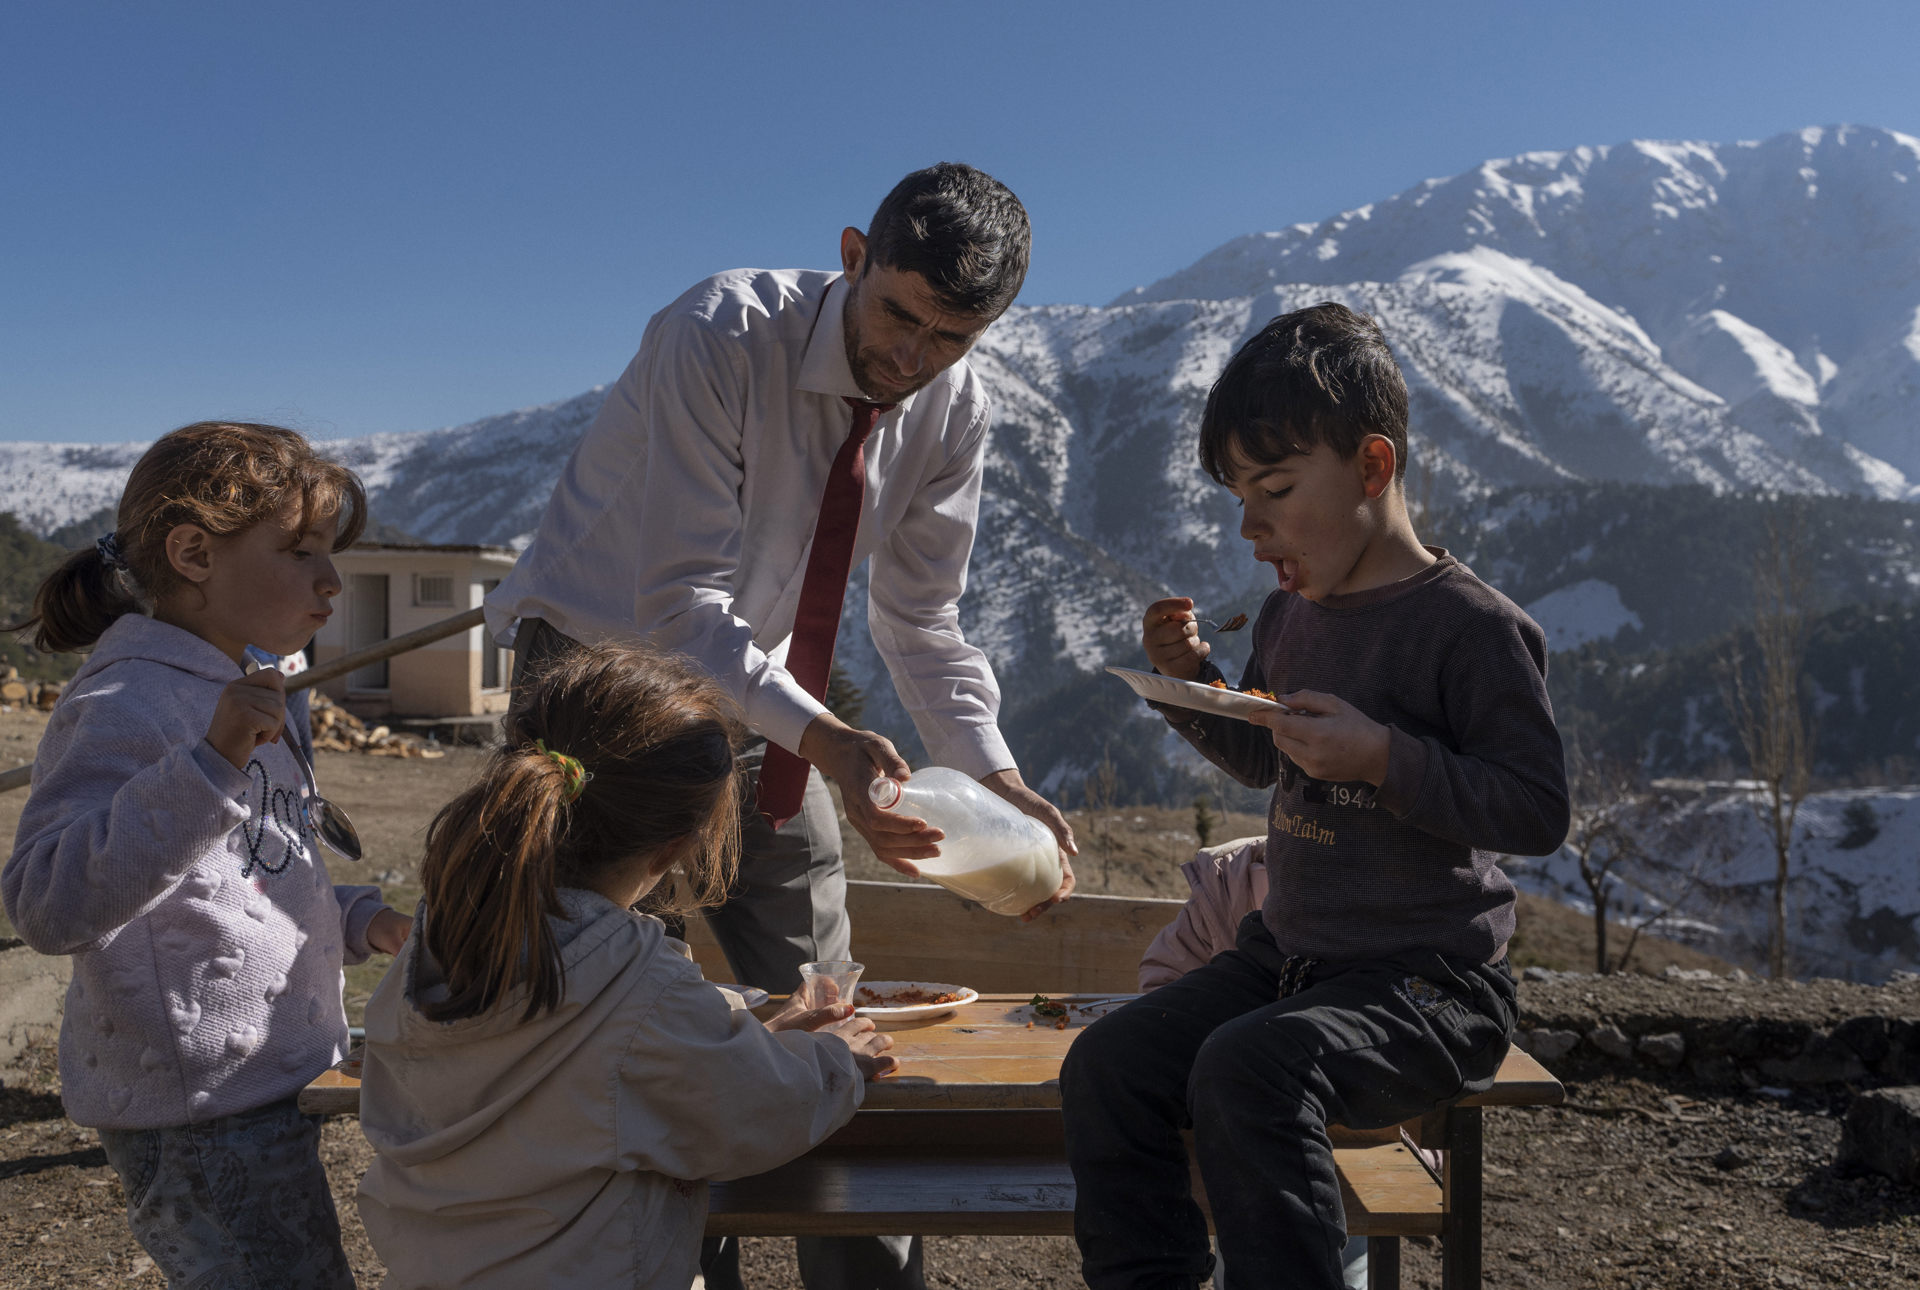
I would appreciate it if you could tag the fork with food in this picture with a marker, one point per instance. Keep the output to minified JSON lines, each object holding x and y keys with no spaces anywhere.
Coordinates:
{"x":1171,"y":635}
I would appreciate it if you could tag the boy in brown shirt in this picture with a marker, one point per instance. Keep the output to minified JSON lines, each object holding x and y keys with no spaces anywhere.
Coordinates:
{"x":1372,"y":986}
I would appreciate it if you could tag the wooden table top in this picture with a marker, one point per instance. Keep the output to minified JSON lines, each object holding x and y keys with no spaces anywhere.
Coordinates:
{"x":994,"y":1054}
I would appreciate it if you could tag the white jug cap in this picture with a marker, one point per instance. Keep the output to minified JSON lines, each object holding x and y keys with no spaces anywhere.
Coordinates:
{"x":884,"y":792}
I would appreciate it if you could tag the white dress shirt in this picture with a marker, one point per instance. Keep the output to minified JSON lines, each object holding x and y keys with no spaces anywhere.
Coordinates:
{"x":686,"y":513}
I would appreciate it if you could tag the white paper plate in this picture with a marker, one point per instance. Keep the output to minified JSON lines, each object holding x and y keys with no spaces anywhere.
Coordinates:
{"x":914,"y":1011}
{"x":1192,"y":694}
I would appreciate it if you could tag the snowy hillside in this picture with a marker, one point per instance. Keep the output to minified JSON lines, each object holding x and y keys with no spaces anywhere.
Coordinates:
{"x":1853,"y":897}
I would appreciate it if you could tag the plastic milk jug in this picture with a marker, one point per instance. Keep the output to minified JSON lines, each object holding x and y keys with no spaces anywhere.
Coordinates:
{"x":992,"y":854}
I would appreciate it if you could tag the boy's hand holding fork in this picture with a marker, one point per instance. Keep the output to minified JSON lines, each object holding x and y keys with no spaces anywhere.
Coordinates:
{"x":1326,"y":737}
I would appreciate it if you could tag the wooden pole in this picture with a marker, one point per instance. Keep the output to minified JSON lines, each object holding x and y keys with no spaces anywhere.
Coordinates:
{"x":21,"y":776}
{"x":387,"y":649}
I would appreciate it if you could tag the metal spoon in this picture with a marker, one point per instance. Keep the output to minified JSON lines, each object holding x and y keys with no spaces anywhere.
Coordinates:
{"x":333,"y":826}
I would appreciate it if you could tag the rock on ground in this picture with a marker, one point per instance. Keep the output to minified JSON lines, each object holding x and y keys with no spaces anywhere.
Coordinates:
{"x":1882,"y":1134}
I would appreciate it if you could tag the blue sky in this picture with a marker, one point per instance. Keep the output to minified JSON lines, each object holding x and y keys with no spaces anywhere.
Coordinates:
{"x":362,"y":217}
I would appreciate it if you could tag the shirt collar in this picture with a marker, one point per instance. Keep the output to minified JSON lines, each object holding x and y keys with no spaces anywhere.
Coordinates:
{"x":823,"y":368}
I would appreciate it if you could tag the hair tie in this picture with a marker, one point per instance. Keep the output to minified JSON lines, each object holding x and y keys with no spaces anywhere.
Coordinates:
{"x":110,"y":553}
{"x":577,"y":775}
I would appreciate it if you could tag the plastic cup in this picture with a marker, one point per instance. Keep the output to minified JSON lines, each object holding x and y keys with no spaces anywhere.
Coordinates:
{"x":828,"y":982}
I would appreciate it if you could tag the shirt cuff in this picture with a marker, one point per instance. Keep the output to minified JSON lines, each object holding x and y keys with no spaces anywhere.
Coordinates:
{"x":978,"y":751}
{"x":358,"y":905}
{"x":220,"y":772}
{"x":782,"y":713}
{"x":1406,"y":771}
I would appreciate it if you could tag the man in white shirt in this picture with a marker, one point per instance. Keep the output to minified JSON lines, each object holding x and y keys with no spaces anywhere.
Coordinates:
{"x":686,"y":515}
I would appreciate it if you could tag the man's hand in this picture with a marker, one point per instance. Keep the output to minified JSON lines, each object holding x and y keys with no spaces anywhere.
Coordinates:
{"x":1329,"y":738}
{"x":868,"y":1044}
{"x":853,"y":759}
{"x":387,"y":933}
{"x":250,"y":712}
{"x":1009,"y":785}
{"x":1171,"y":637}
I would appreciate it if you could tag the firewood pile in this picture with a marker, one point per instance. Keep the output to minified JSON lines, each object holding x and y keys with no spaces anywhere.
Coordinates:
{"x":337,"y":730}
{"x":16,"y":693}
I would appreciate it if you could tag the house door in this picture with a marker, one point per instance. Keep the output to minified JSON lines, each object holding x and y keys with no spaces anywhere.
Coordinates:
{"x":492,"y":674}
{"x":367,"y":625}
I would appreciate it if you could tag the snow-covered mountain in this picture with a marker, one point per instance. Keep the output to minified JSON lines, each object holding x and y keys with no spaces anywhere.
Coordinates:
{"x":1740,"y":316}
{"x":1780,"y":278}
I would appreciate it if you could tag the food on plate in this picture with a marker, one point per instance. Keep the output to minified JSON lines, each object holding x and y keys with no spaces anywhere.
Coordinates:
{"x":1254,"y":690}
{"x":911,"y":997}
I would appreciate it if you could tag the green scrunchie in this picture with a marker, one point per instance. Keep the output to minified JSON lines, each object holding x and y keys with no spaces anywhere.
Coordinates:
{"x":577,"y":775}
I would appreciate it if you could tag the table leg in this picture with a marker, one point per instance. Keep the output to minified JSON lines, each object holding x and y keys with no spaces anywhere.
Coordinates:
{"x":1383,"y":1263}
{"x":1460,"y":1228}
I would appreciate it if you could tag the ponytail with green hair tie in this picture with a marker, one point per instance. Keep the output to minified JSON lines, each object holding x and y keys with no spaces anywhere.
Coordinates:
{"x":577,"y":775}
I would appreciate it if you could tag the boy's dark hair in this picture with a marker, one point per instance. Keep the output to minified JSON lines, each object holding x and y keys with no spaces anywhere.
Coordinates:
{"x":1321,"y":375}
{"x":962,"y":230}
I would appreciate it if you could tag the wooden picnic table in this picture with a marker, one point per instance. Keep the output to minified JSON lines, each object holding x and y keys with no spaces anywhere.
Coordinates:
{"x":967,"y":1139}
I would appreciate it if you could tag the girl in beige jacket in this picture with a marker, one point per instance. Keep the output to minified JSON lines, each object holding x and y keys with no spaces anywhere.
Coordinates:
{"x":548,"y":1081}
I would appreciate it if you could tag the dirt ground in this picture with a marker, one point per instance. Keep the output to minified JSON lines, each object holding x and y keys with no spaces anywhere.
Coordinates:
{"x":1634,"y":1183}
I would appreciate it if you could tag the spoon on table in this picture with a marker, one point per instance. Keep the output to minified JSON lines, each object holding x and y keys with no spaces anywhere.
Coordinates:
{"x":329,"y":822}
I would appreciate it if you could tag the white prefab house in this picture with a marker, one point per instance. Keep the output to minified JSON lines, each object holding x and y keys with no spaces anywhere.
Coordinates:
{"x":390,"y":589}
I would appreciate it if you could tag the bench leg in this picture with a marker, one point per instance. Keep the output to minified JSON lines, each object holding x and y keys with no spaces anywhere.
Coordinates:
{"x":1383,"y":1263}
{"x":1460,"y":1226}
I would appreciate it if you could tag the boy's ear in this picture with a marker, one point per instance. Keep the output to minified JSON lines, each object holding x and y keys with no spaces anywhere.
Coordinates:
{"x":190,"y":552}
{"x":1378,"y":461}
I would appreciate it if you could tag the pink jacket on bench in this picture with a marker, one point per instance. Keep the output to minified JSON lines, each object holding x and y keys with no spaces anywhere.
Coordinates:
{"x":1228,"y":882}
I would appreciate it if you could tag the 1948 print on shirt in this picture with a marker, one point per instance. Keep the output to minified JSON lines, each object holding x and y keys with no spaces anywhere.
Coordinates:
{"x":1356,"y":795}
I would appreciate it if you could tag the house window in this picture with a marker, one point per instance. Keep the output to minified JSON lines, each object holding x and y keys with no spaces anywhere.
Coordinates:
{"x":433,"y":589}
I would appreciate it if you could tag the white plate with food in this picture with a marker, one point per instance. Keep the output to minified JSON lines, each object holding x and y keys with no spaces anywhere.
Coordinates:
{"x":1192,"y":694}
{"x":886,"y":1001}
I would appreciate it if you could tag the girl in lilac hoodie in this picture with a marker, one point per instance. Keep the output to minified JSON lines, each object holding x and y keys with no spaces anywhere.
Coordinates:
{"x":166,"y":847}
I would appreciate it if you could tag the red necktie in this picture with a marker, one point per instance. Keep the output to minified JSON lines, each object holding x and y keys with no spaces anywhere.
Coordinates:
{"x":816,"y":623}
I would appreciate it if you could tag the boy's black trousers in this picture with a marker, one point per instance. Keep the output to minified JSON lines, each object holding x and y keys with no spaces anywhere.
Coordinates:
{"x":1258,"y":1078}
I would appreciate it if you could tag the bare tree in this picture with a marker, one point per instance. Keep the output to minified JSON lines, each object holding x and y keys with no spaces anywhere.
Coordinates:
{"x":1603,"y":834}
{"x":1620,"y":836}
{"x":1102,"y":788}
{"x":1669,"y":888}
{"x":1767,"y":700}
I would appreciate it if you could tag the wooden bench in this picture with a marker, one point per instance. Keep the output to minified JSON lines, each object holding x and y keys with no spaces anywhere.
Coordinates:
{"x":1003,"y":1173}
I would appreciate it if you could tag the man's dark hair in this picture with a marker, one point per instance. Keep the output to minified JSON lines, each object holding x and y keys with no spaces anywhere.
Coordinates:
{"x":962,"y":230}
{"x":1322,"y":375}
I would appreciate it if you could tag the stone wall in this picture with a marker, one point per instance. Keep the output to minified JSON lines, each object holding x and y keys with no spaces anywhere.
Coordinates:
{"x":1729,"y":1031}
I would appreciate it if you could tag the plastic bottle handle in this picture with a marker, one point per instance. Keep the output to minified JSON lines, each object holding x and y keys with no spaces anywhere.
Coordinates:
{"x":884,"y":792}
